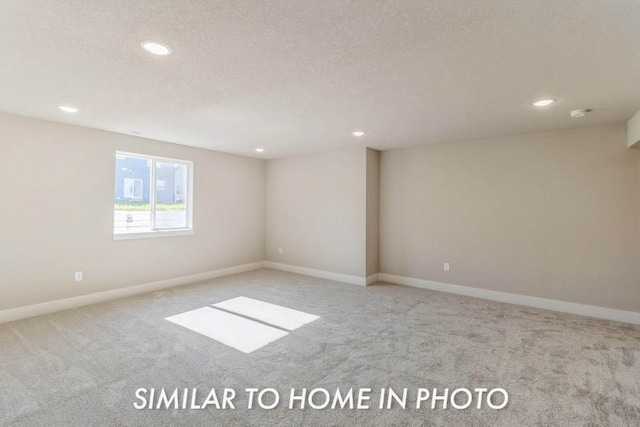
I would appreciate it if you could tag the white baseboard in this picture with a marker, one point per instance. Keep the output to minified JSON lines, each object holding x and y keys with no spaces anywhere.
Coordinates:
{"x":547,"y":304}
{"x":329,"y":275}
{"x":543,"y":303}
{"x":82,"y":300}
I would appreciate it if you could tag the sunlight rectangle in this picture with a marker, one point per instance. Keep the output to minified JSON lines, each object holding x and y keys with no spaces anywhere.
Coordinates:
{"x":272,"y":314}
{"x":235,"y":331}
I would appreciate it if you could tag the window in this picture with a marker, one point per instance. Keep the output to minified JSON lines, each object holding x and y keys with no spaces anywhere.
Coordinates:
{"x":153,"y":196}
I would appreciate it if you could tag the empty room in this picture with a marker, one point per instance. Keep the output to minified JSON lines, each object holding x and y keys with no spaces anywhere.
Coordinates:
{"x":319,"y":213}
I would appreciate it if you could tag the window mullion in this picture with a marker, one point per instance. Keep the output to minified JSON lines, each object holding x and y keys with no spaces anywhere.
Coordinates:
{"x":152,"y":195}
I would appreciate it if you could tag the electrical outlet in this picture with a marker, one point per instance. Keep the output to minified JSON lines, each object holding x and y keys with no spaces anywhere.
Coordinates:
{"x":447,"y":266}
{"x":78,"y":276}
{"x":280,"y":251}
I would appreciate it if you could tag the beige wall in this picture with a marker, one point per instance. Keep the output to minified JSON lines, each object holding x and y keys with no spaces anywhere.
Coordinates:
{"x":372,"y":214}
{"x":553,"y":215}
{"x":633,"y":131}
{"x":56,"y":190}
{"x":316,"y":211}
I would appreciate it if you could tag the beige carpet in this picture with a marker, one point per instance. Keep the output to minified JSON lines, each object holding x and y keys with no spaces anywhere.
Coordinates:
{"x":82,"y":367}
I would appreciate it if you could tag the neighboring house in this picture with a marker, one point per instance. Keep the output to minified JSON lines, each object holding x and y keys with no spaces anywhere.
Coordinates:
{"x":133,"y":176}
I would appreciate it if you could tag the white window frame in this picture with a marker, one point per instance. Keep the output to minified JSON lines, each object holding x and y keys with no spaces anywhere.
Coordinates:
{"x":152,"y":233}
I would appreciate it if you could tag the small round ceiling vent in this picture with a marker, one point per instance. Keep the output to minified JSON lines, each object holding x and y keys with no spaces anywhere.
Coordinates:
{"x":579,"y":113}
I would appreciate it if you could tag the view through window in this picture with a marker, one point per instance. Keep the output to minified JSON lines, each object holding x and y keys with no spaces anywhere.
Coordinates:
{"x":151,"y":194}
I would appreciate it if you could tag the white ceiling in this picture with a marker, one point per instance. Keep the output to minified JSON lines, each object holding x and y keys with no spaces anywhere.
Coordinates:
{"x":296,"y":76}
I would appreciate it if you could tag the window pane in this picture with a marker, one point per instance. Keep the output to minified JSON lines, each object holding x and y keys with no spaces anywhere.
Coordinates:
{"x":171,"y":196}
{"x":132,"y":209}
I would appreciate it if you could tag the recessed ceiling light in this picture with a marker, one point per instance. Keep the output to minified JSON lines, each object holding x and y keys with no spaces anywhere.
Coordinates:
{"x":68,"y":109}
{"x":358,"y":133}
{"x":260,"y":150}
{"x":544,"y":102}
{"x":157,"y":48}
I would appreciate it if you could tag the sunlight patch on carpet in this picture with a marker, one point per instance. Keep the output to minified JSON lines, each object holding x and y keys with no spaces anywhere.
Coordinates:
{"x":244,"y":324}
{"x":283,"y":317}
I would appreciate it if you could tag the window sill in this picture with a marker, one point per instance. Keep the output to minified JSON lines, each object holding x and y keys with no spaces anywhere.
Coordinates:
{"x":152,"y":234}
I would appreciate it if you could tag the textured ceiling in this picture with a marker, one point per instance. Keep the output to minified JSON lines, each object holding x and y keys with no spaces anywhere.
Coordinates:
{"x":296,"y":76}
